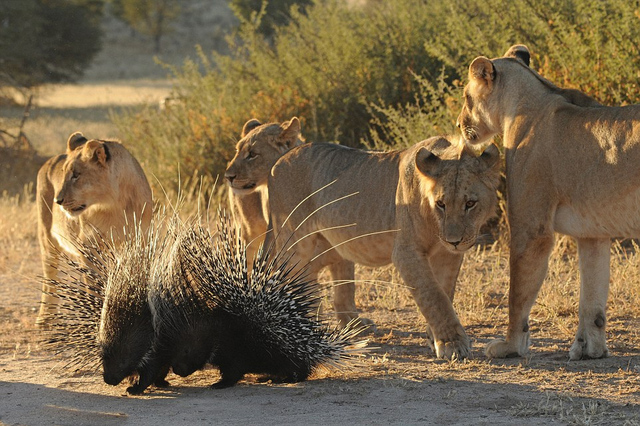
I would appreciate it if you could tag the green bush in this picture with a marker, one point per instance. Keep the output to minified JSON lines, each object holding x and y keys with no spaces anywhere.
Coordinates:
{"x":386,"y":74}
{"x":327,"y":67}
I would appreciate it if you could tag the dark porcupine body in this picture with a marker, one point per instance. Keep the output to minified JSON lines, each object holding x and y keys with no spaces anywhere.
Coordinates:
{"x":104,"y":316}
{"x":263,"y":322}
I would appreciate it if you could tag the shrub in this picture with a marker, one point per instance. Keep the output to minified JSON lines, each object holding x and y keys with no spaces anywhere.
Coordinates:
{"x":384,"y":74}
{"x":327,"y":67}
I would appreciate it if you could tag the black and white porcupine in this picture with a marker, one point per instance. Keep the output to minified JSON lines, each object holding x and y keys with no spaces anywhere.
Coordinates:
{"x":210,"y":310}
{"x":180,"y":297}
{"x":103,"y":317}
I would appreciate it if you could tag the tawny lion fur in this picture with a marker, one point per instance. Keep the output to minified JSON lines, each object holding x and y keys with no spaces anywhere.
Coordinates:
{"x":421,"y":208}
{"x":95,"y":186}
{"x":260,"y":146}
{"x":572,"y":168}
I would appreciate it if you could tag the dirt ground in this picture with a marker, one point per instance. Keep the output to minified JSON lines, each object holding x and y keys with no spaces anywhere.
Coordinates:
{"x":400,"y":382}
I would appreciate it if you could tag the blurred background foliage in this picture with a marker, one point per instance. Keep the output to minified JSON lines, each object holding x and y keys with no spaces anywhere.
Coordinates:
{"x":368,"y":73}
{"x":47,"y":41}
{"x":376,"y":73}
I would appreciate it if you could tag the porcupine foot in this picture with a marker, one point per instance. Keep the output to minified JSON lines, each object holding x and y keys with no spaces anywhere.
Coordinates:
{"x":160,"y":381}
{"x":229,"y":379}
{"x":152,"y":371}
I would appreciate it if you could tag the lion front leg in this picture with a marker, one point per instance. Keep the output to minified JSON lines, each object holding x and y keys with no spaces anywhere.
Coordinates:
{"x":449,"y":338}
{"x":594,"y":257}
{"x":446,"y":268}
{"x":528,"y":260}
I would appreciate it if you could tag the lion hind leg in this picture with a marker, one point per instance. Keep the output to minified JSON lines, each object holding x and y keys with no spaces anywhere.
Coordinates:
{"x":528,"y":264}
{"x":594,"y":258}
{"x":48,"y":300}
{"x":344,"y":292}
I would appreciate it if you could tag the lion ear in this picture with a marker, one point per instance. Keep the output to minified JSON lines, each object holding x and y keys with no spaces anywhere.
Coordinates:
{"x":290,"y":133}
{"x":482,"y":71}
{"x":96,"y":151}
{"x":519,"y":51}
{"x":490,"y":156}
{"x":249,"y":126}
{"x":75,"y":140}
{"x":427,"y":162}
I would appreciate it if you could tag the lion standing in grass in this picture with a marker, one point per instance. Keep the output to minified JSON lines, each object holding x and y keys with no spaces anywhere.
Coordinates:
{"x":572,"y":167}
{"x":97,"y":186}
{"x":420,"y":208}
{"x":260,"y":146}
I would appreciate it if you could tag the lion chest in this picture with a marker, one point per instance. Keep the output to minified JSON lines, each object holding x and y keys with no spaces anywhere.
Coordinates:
{"x":65,"y":230}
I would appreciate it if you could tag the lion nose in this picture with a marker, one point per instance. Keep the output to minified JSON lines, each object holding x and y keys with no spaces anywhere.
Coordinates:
{"x":229,"y":177}
{"x":59,"y":200}
{"x":458,"y":124}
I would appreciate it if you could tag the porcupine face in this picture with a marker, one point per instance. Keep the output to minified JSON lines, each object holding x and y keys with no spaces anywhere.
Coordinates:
{"x":123,"y":353}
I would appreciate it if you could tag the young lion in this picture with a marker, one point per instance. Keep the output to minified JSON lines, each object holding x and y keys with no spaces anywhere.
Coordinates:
{"x":257,"y":151}
{"x":96,"y":186}
{"x":572,"y":167}
{"x":420,"y":208}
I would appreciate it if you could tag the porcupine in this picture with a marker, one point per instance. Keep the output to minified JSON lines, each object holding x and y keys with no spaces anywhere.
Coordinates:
{"x":103,"y":316}
{"x":210,"y":310}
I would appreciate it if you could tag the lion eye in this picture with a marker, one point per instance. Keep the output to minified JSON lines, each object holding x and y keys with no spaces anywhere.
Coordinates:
{"x":251,"y":155}
{"x":471,"y":204}
{"x":440,"y":204}
{"x":75,"y":176}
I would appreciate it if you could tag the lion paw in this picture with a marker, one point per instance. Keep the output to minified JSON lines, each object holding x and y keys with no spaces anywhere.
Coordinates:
{"x":369,"y":325}
{"x":501,"y":348}
{"x":458,"y":347}
{"x":585,"y":348}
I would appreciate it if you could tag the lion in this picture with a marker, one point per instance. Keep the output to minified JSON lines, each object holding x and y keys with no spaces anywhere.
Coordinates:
{"x":420,"y":208}
{"x":260,"y":146}
{"x":96,"y":187}
{"x":571,"y":168}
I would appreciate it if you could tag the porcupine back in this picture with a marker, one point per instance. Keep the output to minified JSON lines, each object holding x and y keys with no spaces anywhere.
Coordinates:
{"x":126,"y":331}
{"x":268,"y":315}
{"x":74,"y":323}
{"x":103,"y":317}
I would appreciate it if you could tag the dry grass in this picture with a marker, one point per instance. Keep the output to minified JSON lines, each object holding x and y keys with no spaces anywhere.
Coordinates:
{"x":587,"y":392}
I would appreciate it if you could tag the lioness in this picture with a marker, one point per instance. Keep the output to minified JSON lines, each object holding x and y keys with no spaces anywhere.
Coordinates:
{"x":420,"y":208}
{"x":259,"y":148}
{"x":96,"y":186}
{"x":572,"y":168}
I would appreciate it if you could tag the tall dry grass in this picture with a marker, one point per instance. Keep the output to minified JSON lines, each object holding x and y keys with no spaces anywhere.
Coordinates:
{"x":18,"y":233}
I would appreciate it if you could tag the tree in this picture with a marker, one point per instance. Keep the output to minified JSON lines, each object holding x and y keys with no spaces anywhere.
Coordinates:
{"x":47,"y":41}
{"x":151,"y":17}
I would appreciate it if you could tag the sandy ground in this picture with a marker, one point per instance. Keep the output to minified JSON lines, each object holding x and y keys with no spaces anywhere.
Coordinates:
{"x":399,"y":383}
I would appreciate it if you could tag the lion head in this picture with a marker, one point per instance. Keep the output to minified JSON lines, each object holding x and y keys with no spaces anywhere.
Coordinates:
{"x":260,"y":146}
{"x":478,"y":119}
{"x":82,"y":183}
{"x":460,"y":188}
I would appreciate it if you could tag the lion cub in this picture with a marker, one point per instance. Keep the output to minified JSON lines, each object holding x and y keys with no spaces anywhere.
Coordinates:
{"x":420,"y":208}
{"x":96,"y":186}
